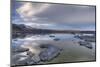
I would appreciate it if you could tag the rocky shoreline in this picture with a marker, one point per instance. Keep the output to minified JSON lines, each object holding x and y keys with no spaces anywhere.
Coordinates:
{"x":25,"y":57}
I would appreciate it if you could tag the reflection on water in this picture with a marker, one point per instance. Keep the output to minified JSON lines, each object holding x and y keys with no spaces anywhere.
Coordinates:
{"x":71,"y":52}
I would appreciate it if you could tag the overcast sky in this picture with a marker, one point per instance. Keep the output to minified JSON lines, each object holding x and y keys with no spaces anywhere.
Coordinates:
{"x":54,"y":16}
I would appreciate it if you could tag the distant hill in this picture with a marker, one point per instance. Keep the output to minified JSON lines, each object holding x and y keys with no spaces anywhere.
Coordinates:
{"x":21,"y":28}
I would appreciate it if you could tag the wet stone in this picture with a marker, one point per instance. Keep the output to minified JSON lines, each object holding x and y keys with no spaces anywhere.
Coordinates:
{"x":20,"y":49}
{"x":49,"y":53}
{"x":56,"y":39}
{"x":86,"y":44}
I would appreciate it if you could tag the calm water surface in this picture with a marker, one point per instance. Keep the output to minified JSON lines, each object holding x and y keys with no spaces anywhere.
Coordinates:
{"x":71,"y":52}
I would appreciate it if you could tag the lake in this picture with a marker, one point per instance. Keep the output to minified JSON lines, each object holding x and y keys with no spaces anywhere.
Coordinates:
{"x":72,"y":50}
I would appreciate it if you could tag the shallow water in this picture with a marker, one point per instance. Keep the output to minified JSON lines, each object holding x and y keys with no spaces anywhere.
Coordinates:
{"x":71,"y":52}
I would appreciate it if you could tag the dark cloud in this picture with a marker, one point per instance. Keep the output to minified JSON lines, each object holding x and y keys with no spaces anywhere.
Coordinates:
{"x":68,"y":14}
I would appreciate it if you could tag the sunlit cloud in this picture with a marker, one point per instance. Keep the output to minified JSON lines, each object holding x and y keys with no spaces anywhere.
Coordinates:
{"x":28,"y":10}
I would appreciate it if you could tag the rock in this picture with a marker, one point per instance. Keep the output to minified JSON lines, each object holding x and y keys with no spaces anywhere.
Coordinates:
{"x":20,"y":49}
{"x":49,"y":53}
{"x":29,"y":53}
{"x":26,"y":57}
{"x":32,"y":59}
{"x":51,"y":36}
{"x":18,"y":59}
{"x":21,"y":59}
{"x":86,"y":38}
{"x":90,"y":39}
{"x":36,"y":59}
{"x":76,"y":36}
{"x":56,"y":39}
{"x":86,"y":44}
{"x":30,"y":62}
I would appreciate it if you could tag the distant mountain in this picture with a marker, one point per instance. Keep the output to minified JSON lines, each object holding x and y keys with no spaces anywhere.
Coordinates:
{"x":27,"y":29}
{"x":21,"y":30}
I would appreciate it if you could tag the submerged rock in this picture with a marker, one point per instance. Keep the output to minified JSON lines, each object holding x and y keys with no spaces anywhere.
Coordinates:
{"x":56,"y":39}
{"x":90,"y":39}
{"x":86,"y":38}
{"x":86,"y":44}
{"x":51,"y":36}
{"x":49,"y":52}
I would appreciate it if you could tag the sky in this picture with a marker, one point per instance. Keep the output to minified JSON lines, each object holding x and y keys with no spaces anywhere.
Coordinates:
{"x":54,"y":16}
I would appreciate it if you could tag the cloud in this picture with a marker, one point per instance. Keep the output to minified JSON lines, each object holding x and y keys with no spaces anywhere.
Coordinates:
{"x":57,"y":13}
{"x":28,"y":10}
{"x":56,"y":16}
{"x":69,"y":14}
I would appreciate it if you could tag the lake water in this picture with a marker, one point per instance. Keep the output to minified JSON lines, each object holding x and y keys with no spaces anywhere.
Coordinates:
{"x":71,"y":52}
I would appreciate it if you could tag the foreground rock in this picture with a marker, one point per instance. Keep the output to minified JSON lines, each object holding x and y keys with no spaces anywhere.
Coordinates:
{"x":49,"y":52}
{"x":23,"y":56}
{"x":20,"y":49}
